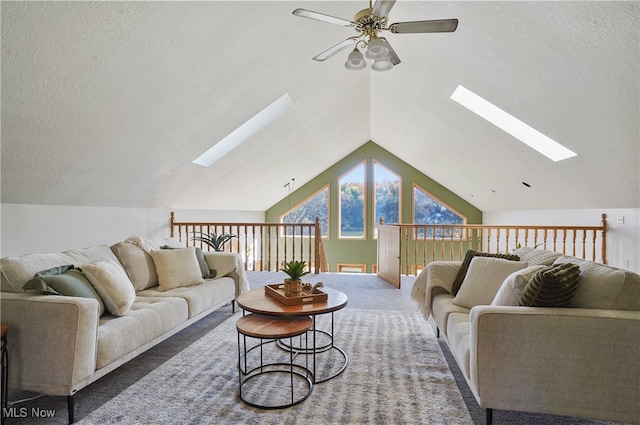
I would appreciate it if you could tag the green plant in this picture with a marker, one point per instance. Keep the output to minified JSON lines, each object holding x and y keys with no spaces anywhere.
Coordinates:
{"x":214,"y":241}
{"x":295,"y":269}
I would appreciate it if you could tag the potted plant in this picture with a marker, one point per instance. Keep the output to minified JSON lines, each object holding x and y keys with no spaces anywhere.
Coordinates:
{"x":215,"y":241}
{"x":293,"y":284}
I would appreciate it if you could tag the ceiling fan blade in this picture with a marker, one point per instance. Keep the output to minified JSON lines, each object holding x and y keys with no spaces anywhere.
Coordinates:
{"x":439,"y":25}
{"x":335,"y":49}
{"x":394,"y":57}
{"x":382,"y":8}
{"x":304,"y":13}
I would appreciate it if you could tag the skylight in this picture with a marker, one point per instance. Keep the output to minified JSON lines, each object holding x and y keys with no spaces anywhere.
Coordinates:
{"x":246,"y":130}
{"x":512,"y":125}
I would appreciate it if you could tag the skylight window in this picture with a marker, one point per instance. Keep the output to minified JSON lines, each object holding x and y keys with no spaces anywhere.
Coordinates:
{"x":512,"y":125}
{"x":246,"y":130}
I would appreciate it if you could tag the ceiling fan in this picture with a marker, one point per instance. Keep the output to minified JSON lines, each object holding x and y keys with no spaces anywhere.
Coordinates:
{"x":368,"y":23}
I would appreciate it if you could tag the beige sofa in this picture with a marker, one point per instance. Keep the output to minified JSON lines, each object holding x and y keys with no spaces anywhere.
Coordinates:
{"x":60,"y":344}
{"x":581,"y":360}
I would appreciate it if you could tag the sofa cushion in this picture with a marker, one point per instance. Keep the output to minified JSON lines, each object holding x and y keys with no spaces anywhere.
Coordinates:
{"x":459,"y":338}
{"x":148,"y":318}
{"x":535,"y":256}
{"x":513,"y":286}
{"x":16,"y":271}
{"x":553,"y":286}
{"x":441,"y":307}
{"x":112,"y":283}
{"x":138,"y":265}
{"x":483,"y":280}
{"x":213,"y":292}
{"x":176,"y":268}
{"x":64,"y":280}
{"x":604,"y":287}
{"x":468,"y":256}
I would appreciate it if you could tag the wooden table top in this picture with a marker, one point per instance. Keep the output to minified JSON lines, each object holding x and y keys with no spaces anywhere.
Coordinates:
{"x":259,"y":326}
{"x":256,"y":301}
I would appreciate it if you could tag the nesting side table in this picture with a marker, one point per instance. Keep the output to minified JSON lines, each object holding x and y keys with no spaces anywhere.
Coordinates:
{"x":269,"y":329}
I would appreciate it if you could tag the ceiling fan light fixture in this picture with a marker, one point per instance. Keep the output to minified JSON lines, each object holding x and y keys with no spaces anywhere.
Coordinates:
{"x":382,"y":64}
{"x":376,"y":49}
{"x":355,"y":61}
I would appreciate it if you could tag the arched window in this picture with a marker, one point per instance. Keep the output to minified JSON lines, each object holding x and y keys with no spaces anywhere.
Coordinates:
{"x":387,"y":195}
{"x":316,"y":205}
{"x":428,"y":210}
{"x":352,"y":203}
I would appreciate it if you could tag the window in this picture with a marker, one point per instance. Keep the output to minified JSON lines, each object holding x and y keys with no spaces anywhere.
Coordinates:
{"x":352,"y":202}
{"x":427,"y":210}
{"x":387,"y":195}
{"x":317,"y":205}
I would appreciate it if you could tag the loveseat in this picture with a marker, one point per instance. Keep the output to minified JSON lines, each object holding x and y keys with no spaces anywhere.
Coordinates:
{"x":524,"y":346}
{"x":111,"y":304}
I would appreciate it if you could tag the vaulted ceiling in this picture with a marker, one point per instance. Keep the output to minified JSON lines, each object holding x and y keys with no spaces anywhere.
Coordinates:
{"x":108,"y":103}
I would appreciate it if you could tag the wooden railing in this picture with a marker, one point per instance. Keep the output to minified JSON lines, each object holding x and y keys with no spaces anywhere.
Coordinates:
{"x":263,"y":246}
{"x":408,"y":248}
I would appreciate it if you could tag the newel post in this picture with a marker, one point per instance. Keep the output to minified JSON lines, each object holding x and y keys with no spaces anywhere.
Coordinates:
{"x":317,"y":240}
{"x":604,"y":238}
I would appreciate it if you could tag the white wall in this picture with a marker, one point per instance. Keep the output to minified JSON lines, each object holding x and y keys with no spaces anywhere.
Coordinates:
{"x":27,"y":229}
{"x":623,"y":228}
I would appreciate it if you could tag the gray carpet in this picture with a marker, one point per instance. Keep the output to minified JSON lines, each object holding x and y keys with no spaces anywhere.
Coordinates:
{"x":364,"y":291}
{"x":396,"y":374}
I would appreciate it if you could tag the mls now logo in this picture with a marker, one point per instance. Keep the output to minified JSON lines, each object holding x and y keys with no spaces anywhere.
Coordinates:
{"x":23,"y":412}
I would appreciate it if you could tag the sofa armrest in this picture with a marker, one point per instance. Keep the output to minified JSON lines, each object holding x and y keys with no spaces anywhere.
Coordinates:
{"x":563,"y":361}
{"x":228,"y":264}
{"x":437,"y":275}
{"x":52,"y":341}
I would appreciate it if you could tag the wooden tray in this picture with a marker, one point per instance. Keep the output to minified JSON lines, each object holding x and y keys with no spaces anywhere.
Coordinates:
{"x":276,"y":291}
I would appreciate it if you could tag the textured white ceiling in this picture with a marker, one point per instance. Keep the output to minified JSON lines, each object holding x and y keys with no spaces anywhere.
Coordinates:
{"x":107,"y":103}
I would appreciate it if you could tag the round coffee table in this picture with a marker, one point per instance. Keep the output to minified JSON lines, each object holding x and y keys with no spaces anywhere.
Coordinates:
{"x":257,"y":301}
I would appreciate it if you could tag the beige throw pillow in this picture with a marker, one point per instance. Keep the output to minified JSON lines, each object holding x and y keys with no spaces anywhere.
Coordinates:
{"x":176,"y":268}
{"x":483,"y":280}
{"x":513,"y":286}
{"x":112,"y":284}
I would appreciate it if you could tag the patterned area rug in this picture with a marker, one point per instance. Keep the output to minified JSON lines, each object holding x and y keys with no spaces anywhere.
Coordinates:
{"x":396,"y":374}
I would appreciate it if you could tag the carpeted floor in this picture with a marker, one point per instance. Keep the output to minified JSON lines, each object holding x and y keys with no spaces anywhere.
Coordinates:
{"x":366,"y":292}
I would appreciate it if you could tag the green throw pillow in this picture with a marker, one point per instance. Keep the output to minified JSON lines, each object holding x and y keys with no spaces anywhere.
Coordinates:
{"x":204,"y":266}
{"x":64,"y":280}
{"x":468,"y":256}
{"x":553,"y":286}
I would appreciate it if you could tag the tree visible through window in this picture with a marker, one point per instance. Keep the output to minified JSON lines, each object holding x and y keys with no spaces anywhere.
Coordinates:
{"x":387,"y":195}
{"x":351,"y":203}
{"x":314,"y":206}
{"x":427,"y":210}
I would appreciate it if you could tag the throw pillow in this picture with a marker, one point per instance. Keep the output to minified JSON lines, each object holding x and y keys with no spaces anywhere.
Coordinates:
{"x":468,"y":256}
{"x":112,"y":283}
{"x":553,"y":286}
{"x":64,"y":280}
{"x":176,"y":268}
{"x":204,"y":267}
{"x":511,"y":289}
{"x":535,"y":256}
{"x":483,"y":280}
